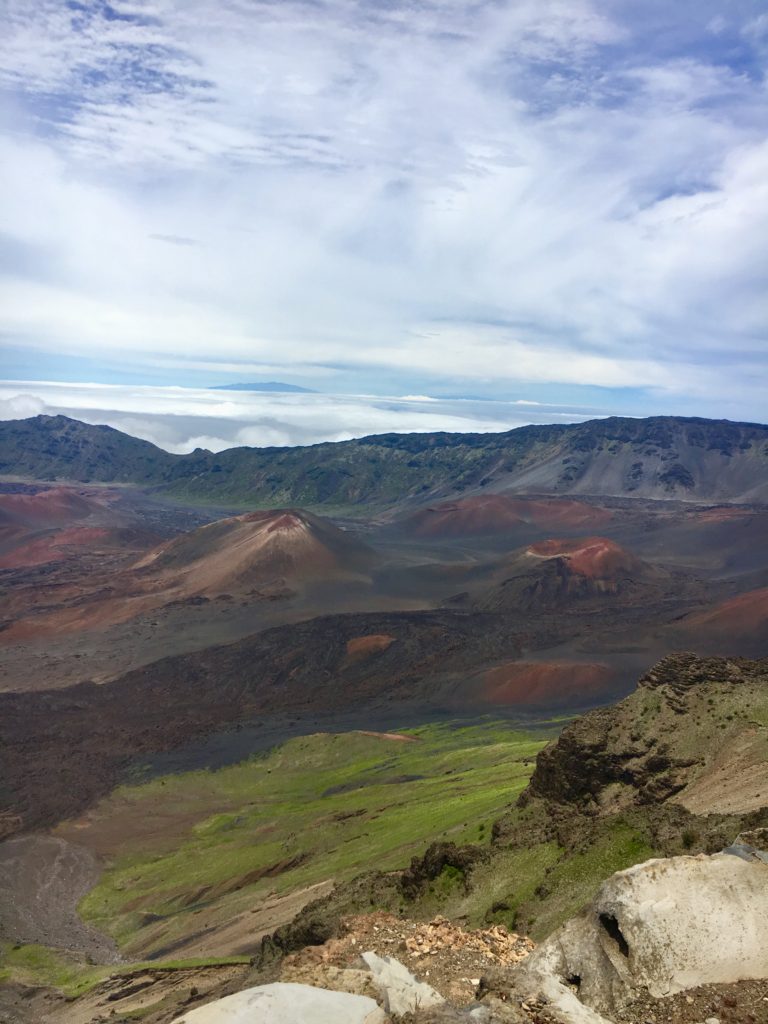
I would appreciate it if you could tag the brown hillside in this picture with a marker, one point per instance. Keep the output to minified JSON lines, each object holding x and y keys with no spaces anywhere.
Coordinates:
{"x":255,"y":549}
{"x":497,"y":513}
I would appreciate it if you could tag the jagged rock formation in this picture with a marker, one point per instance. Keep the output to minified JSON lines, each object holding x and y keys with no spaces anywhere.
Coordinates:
{"x":687,"y":720}
{"x":656,"y":929}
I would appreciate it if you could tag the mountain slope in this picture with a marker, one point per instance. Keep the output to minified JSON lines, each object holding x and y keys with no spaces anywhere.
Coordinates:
{"x":60,"y":448}
{"x":679,"y":766}
{"x":269,"y":385}
{"x":695,"y":731}
{"x":499,"y":514}
{"x":659,"y":457}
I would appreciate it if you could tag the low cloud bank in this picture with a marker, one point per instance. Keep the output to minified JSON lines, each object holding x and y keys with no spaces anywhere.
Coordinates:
{"x":182,"y":419}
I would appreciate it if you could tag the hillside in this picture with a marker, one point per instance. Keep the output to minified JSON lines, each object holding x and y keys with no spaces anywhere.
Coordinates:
{"x":499,"y":514}
{"x":557,"y":572}
{"x":677,"y":767}
{"x":256,"y":557}
{"x":255,"y":549}
{"x":660,"y":457}
{"x":695,"y":732}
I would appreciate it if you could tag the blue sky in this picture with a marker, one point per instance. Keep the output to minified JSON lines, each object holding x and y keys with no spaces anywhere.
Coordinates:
{"x":560,"y":201}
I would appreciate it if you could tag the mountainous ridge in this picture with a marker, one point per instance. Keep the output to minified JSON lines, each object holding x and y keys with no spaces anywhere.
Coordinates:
{"x":660,"y":457}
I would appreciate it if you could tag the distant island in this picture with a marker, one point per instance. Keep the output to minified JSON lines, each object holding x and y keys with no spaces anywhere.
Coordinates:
{"x":268,"y":385}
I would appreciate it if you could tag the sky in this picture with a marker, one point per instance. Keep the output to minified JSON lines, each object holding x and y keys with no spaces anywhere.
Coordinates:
{"x":437,"y":214}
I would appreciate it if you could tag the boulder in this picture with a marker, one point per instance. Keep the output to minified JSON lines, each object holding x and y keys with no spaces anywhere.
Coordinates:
{"x":400,"y":992}
{"x":280,"y":1003}
{"x":655,"y":929}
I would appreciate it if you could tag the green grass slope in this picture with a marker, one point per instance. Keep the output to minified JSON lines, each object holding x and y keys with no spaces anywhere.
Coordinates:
{"x":679,"y":766}
{"x":196,"y":849}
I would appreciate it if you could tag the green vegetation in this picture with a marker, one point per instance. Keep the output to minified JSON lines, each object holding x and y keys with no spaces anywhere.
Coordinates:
{"x":537,"y":886}
{"x":573,"y":881}
{"x":38,"y":965}
{"x":316,"y":808}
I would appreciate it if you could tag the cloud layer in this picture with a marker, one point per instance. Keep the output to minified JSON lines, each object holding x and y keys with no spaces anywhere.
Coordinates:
{"x":182,"y":419}
{"x":523,"y":194}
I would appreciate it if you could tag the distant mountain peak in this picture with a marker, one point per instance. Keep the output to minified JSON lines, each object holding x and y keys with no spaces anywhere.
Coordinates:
{"x":267,"y":385}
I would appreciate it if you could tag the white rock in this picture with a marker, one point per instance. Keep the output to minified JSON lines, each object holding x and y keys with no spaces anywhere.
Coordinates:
{"x":286,"y":1003}
{"x":657,"y":928}
{"x":399,"y":990}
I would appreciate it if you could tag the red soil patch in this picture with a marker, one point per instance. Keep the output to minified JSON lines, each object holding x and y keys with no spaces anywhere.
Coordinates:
{"x":53,"y":507}
{"x":593,"y":557}
{"x":547,"y":682}
{"x":363,"y":646}
{"x":742,"y":616}
{"x":495,"y":513}
{"x":52,"y":547}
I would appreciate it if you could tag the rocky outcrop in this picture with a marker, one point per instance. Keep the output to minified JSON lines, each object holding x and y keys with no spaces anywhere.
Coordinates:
{"x":660,"y":928}
{"x":439,"y":856}
{"x":677,"y":674}
{"x":399,"y":991}
{"x":655,"y":742}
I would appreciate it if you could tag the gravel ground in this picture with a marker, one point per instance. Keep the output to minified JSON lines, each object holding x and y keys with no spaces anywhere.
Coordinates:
{"x":745,"y":1002}
{"x":440,"y":953}
{"x":42,"y":880}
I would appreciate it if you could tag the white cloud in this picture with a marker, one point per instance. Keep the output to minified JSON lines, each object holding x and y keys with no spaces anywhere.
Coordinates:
{"x":20,"y":406}
{"x":181,"y":419}
{"x":489,"y":191}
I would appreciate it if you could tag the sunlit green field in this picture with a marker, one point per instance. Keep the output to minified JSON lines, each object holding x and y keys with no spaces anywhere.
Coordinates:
{"x":317,"y":808}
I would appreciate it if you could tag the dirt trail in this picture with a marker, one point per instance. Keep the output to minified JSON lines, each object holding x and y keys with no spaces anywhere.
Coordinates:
{"x":42,"y":879}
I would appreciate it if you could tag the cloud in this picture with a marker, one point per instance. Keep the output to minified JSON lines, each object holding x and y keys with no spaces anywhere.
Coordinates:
{"x":530,"y":192}
{"x":20,"y":406}
{"x":182,"y":419}
{"x":174,"y":239}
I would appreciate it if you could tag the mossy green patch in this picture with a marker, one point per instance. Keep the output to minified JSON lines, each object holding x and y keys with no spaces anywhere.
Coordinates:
{"x":39,"y":965}
{"x":572,"y":882}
